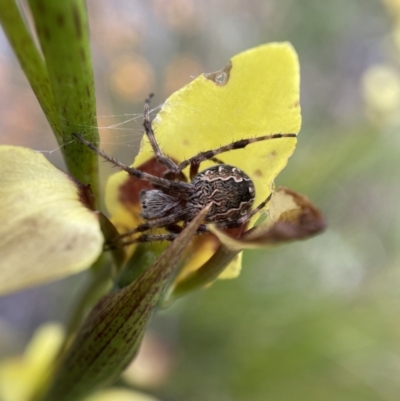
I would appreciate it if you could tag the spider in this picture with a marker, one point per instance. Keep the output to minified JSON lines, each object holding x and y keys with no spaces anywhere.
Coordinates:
{"x":228,"y":189}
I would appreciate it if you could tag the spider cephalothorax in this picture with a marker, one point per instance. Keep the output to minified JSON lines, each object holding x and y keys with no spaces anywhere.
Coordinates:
{"x":228,"y":190}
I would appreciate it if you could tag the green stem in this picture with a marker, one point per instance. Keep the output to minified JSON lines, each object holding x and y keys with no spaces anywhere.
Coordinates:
{"x":62,"y":79}
{"x":63,"y":33}
{"x":31,"y":61}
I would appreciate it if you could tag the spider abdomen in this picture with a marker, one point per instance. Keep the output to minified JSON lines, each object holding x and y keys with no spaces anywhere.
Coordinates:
{"x":229,"y":190}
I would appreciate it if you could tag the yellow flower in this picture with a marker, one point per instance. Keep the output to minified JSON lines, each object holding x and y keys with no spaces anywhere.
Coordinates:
{"x":257,"y":94}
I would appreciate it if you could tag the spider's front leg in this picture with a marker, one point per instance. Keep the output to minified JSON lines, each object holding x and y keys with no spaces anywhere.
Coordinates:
{"x":167,"y":184}
{"x":161,"y":158}
{"x":195,"y":161}
{"x":165,"y":221}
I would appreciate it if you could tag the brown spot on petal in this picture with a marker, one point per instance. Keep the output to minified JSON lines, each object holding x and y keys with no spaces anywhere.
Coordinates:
{"x":258,"y":173}
{"x":130,"y":191}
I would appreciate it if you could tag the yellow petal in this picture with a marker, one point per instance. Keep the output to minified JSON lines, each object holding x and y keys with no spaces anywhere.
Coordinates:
{"x":233,"y":269}
{"x":20,"y":378}
{"x":45,"y":230}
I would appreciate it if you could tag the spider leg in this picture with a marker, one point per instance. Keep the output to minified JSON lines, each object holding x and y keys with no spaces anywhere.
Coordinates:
{"x":141,"y":175}
{"x":161,"y":222}
{"x":156,"y":237}
{"x":175,"y":231}
{"x":142,"y":238}
{"x":151,"y":238}
{"x":216,"y":160}
{"x":195,"y":161}
{"x":246,"y":217}
{"x":164,"y":160}
{"x":194,"y":168}
{"x":174,"y":228}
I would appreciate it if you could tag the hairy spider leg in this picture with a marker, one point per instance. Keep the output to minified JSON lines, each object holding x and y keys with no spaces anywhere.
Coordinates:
{"x":179,"y":186}
{"x":142,"y":238}
{"x":157,"y":223}
{"x":217,"y":161}
{"x":195,"y":161}
{"x":161,"y":158}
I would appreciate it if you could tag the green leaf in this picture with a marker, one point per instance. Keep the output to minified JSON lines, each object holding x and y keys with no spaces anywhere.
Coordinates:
{"x":112,"y":333}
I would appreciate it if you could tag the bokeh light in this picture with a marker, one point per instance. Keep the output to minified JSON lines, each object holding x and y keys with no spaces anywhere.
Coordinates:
{"x":131,"y":78}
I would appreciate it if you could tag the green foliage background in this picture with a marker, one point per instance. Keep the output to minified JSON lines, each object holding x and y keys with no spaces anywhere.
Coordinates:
{"x":311,"y":321}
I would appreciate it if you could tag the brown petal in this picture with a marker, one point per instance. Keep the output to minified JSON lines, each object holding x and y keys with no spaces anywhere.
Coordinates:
{"x":291,"y":217}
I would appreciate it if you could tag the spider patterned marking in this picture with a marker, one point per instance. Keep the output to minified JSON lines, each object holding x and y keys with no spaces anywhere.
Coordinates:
{"x":229,"y":190}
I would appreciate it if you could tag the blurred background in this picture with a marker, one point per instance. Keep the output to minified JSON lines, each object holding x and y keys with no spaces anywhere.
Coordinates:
{"x":314,"y":320}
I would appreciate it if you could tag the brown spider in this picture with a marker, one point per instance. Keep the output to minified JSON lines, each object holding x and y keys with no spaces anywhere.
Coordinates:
{"x":229,"y":190}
